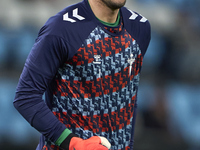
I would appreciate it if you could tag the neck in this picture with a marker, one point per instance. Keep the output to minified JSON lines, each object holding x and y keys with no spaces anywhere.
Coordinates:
{"x":103,"y":12}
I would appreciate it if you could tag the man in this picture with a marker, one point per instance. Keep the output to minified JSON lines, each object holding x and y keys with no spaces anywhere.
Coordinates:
{"x":87,"y":59}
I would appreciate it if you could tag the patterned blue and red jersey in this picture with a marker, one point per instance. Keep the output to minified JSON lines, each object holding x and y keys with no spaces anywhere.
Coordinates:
{"x":89,"y":73}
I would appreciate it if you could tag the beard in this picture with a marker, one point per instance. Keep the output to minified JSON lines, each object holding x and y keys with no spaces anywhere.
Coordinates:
{"x":114,"y":4}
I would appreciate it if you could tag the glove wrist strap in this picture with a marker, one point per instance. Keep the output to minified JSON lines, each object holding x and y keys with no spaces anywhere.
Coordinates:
{"x":65,"y":143}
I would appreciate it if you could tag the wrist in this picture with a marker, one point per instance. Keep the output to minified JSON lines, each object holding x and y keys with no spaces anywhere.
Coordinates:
{"x":66,"y":142}
{"x":62,"y":137}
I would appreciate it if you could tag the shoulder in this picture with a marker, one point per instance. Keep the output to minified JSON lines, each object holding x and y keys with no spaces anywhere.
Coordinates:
{"x":133,"y":20}
{"x":72,"y":24}
{"x":138,"y":27}
{"x":61,"y":22}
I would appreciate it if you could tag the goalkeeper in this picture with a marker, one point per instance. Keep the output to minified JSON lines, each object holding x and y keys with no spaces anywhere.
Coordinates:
{"x":87,"y":60}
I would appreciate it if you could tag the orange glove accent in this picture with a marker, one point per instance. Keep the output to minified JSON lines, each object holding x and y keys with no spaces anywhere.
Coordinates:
{"x":93,"y":143}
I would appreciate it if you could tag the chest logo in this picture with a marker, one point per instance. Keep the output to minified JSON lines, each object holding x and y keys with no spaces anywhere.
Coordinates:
{"x":74,"y":14}
{"x":97,"y":65}
{"x":97,"y":59}
{"x":131,"y":60}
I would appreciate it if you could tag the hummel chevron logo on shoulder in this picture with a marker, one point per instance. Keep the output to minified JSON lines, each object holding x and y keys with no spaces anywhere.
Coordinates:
{"x":74,"y":14}
{"x":134,"y":16}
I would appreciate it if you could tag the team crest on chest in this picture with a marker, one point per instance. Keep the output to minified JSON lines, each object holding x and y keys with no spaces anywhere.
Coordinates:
{"x":131,"y":60}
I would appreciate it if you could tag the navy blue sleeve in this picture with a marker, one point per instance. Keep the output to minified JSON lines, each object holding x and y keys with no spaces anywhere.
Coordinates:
{"x":145,"y":40}
{"x":46,"y":56}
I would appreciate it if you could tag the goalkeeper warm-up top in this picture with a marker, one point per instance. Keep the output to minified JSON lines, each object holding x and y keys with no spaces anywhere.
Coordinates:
{"x":90,"y":74}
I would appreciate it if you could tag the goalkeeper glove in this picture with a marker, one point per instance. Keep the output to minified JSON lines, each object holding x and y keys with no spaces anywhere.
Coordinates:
{"x":72,"y":142}
{"x":93,"y":143}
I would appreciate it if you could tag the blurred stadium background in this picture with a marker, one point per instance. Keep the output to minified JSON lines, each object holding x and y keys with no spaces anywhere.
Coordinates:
{"x":169,"y":96}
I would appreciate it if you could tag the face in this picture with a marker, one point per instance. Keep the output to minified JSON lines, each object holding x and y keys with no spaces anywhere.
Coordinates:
{"x":114,"y":4}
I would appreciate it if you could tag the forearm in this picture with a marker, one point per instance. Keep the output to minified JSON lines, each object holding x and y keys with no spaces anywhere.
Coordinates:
{"x":35,"y":111}
{"x":28,"y":101}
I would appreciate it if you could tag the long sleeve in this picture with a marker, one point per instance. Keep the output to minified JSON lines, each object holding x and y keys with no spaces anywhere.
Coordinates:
{"x":45,"y":58}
